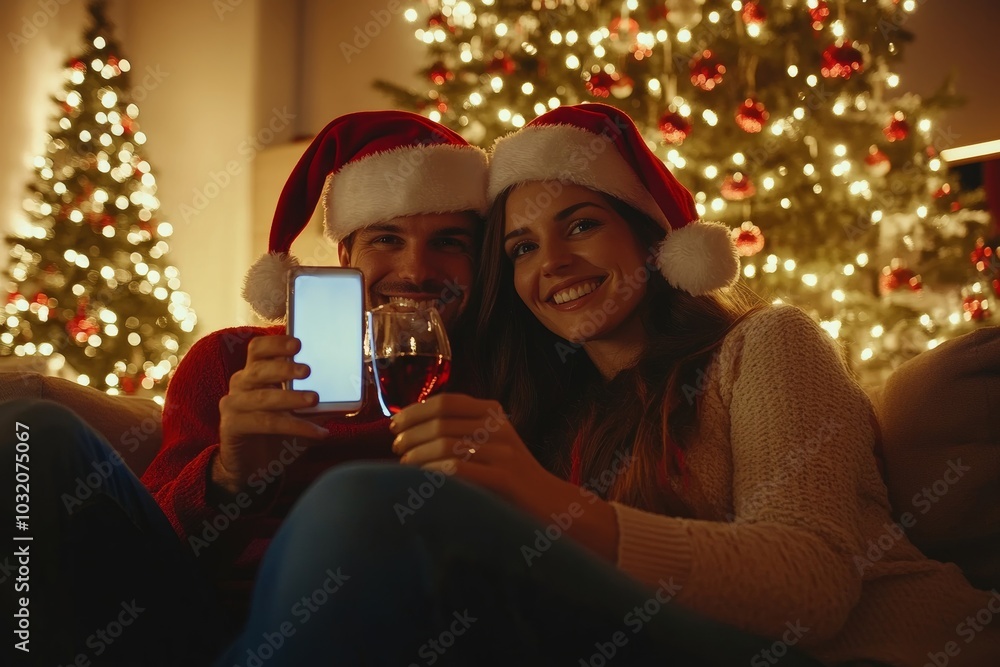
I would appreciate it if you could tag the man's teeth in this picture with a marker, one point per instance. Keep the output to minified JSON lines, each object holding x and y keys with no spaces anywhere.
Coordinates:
{"x":575,"y":292}
{"x":406,"y":301}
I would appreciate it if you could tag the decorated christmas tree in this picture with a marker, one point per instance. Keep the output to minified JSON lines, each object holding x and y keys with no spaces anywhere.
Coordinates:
{"x":785,"y":120}
{"x":90,"y":288}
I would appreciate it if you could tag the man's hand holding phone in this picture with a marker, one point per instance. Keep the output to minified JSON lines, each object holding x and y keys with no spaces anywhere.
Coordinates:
{"x":257,"y":413}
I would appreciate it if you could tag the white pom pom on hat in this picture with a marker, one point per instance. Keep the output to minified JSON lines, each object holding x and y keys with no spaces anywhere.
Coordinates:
{"x":368,"y":167}
{"x":599,"y":147}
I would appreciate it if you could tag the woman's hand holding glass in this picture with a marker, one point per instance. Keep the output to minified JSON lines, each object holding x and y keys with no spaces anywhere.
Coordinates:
{"x":473,"y":439}
{"x":458,"y":434}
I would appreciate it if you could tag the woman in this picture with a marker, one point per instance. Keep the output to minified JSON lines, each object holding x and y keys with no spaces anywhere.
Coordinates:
{"x":751,"y":473}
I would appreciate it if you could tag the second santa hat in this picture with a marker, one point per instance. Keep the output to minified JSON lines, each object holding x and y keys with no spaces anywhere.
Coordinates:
{"x":369,"y":167}
{"x":599,"y":147}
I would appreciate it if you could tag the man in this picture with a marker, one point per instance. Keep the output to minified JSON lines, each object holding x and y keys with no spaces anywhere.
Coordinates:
{"x":402,"y":198}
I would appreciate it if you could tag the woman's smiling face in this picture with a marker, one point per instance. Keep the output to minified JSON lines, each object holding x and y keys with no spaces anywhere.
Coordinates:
{"x":578,"y":265}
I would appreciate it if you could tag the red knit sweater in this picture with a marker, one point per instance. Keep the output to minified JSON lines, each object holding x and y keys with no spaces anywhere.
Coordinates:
{"x":228,"y":540}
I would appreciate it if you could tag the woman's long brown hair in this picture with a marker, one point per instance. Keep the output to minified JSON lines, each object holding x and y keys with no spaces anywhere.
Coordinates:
{"x":646,"y":415}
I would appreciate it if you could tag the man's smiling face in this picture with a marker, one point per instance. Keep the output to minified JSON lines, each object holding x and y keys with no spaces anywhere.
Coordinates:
{"x":426,"y":258}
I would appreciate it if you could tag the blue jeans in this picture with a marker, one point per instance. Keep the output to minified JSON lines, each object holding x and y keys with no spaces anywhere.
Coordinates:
{"x":385,"y":565}
{"x":106,"y":579}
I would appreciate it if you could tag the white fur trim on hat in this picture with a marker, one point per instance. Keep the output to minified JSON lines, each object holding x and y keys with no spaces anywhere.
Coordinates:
{"x":568,"y":154}
{"x":266,"y":283}
{"x":699,"y":258}
{"x":436,"y":178}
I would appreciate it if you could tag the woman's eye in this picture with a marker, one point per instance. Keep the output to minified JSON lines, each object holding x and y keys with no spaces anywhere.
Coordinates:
{"x":521,"y":248}
{"x":582,"y":226}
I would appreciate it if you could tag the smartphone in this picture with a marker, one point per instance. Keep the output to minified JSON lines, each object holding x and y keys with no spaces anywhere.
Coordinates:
{"x":326,"y":313}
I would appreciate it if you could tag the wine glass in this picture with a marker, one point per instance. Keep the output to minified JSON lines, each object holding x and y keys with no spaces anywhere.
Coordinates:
{"x":410,"y":353}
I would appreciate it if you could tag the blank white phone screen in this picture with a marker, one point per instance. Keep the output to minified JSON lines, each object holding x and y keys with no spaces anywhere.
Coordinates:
{"x":327,"y":318}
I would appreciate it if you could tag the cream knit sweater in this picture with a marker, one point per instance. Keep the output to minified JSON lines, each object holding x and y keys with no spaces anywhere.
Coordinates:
{"x":793,"y":537}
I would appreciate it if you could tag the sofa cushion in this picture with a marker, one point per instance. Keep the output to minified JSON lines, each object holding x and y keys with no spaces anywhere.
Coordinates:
{"x":130,"y":424}
{"x":940,"y":418}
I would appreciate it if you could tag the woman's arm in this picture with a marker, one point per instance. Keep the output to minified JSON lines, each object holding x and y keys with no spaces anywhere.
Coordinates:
{"x":801,"y":441}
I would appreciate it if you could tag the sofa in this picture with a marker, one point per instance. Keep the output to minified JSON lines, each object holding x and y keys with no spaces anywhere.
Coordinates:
{"x":940,"y":419}
{"x":130,"y":424}
{"x":940,"y":434}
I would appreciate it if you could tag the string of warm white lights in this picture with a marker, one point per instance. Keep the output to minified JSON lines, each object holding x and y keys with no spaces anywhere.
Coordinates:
{"x":783,"y":117}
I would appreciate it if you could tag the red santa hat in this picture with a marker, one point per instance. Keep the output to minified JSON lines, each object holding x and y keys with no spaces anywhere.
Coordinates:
{"x":599,"y":147}
{"x":369,"y":167}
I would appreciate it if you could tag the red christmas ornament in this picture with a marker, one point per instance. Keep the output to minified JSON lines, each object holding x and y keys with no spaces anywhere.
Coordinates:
{"x":877,"y":162}
{"x":436,"y":103}
{"x":976,"y":308}
{"x":127,"y":384}
{"x":820,"y":13}
{"x":737,"y":187}
{"x":748,"y":239}
{"x":81,"y":327}
{"x":640,"y":51}
{"x":439,"y":73}
{"x":42,"y":299}
{"x":706,"y":71}
{"x":996,"y":287}
{"x":624,"y":29}
{"x":751,"y":116}
{"x":13,"y":296}
{"x":896,"y":276}
{"x":501,"y":65}
{"x":622,"y":87}
{"x":439,"y":20}
{"x":674,"y":127}
{"x":127,"y":124}
{"x":599,"y":84}
{"x":981,"y":254}
{"x":898,"y":129}
{"x":753,"y":13}
{"x":78,"y":64}
{"x":942,"y":191}
{"x":841,"y":61}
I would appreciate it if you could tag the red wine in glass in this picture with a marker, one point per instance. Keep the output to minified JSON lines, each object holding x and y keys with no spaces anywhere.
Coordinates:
{"x":410,"y":378}
{"x":410,"y":352}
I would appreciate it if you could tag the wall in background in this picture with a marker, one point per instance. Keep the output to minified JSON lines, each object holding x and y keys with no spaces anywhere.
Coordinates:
{"x":230,"y":73}
{"x":957,"y":38}
{"x":340,"y":61}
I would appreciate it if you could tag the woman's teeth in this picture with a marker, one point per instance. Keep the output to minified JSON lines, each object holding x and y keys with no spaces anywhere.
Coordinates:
{"x":575,"y":292}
